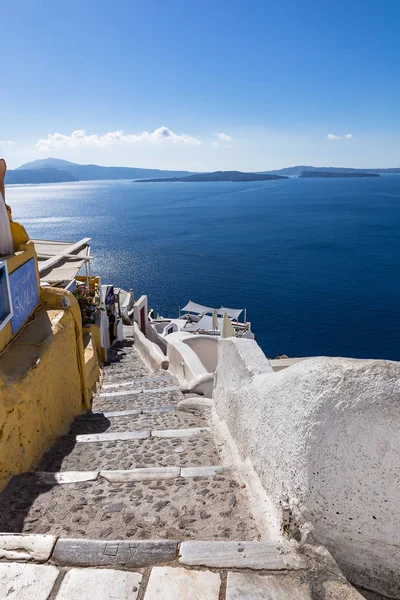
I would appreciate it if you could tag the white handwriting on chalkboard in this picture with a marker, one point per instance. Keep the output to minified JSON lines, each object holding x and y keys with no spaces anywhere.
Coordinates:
{"x":25,"y":300}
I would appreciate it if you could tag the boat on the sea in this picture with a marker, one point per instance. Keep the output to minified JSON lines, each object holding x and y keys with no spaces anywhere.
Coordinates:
{"x":196,"y":318}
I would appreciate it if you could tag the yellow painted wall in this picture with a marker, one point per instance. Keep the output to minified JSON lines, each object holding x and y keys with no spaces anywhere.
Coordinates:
{"x":40,"y":389}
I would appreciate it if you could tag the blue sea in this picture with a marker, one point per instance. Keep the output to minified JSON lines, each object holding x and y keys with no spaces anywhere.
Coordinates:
{"x":316,"y":262}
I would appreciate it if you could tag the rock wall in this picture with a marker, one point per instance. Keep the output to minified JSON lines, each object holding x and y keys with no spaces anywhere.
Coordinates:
{"x":324,"y":437}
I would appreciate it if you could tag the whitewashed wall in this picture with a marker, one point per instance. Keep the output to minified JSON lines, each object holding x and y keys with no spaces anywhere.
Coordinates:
{"x":324,"y":436}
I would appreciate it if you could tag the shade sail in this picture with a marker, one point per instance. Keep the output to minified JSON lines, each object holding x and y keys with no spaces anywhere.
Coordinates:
{"x":197,"y":308}
{"x":60,"y":261}
{"x":233,"y":313}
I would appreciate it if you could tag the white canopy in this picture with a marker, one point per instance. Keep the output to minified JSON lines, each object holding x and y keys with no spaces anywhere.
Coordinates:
{"x":233,"y":313}
{"x":61,"y":261}
{"x":197,"y":308}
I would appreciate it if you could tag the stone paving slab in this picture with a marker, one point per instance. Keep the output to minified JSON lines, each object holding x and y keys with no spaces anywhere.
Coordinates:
{"x":25,"y":582}
{"x":202,"y":508}
{"x":131,"y":554}
{"x":26,"y":547}
{"x":113,"y":437}
{"x":141,"y":474}
{"x":99,"y":584}
{"x":169,"y":583}
{"x":135,"y":411}
{"x":249,"y":586}
{"x":169,"y":433}
{"x":240,"y":555}
{"x":141,"y":382}
{"x":202,"y":471}
{"x":66,"y":477}
{"x":140,"y":390}
{"x":151,"y":452}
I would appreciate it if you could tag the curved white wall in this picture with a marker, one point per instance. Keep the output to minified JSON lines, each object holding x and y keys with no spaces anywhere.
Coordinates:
{"x":206,"y":348}
{"x":323,"y":435}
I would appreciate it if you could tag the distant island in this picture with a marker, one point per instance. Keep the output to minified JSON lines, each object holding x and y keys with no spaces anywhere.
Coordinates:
{"x":56,"y":170}
{"x":216,"y":176}
{"x":39,"y":176}
{"x":335,"y":174}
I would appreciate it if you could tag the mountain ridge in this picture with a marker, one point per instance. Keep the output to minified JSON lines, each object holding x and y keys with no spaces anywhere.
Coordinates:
{"x":57,"y":170}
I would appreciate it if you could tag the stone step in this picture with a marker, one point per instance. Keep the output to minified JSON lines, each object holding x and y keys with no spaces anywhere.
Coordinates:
{"x":67,"y":455}
{"x":150,"y":399}
{"x":147,"y":382}
{"x":139,"y":390}
{"x":127,"y":475}
{"x":116,"y":421}
{"x":189,"y":507}
{"x":140,"y":434}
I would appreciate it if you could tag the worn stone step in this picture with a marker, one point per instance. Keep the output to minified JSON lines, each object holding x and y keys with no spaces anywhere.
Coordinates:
{"x":157,"y":419}
{"x":150,"y":399}
{"x":67,"y":455}
{"x":140,"y":434}
{"x":210,"y":507}
{"x":140,"y":390}
{"x":240,"y":555}
{"x":140,"y":382}
{"x":117,"y":553}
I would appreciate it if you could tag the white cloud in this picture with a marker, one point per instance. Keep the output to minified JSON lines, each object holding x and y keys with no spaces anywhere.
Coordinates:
{"x":223,"y":136}
{"x":214,"y":144}
{"x":79,"y":138}
{"x":331,"y":136}
{"x":7,"y":143}
{"x":348,"y":136}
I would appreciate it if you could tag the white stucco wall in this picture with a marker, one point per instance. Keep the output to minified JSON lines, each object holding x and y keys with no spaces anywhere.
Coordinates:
{"x":206,"y":348}
{"x":150,"y":352}
{"x":324,"y":436}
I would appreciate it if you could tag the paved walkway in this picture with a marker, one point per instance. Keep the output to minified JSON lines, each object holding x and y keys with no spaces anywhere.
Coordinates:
{"x":138,"y":488}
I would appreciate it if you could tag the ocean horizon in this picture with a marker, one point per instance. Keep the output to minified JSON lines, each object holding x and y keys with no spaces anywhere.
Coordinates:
{"x":314,"y":261}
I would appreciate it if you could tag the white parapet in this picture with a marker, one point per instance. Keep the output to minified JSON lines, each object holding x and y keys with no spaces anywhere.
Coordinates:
{"x":323,"y":437}
{"x":150,"y":352}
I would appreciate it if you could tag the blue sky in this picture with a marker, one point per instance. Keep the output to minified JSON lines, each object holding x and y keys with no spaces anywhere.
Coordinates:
{"x":285,"y":82}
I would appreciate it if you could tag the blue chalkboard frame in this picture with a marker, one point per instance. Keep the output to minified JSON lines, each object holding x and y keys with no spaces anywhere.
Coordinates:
{"x":6,"y":311}
{"x":24,"y":293}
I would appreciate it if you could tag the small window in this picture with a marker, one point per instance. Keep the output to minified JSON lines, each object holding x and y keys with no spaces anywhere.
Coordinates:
{"x":171,"y":330}
{"x":5,"y":297}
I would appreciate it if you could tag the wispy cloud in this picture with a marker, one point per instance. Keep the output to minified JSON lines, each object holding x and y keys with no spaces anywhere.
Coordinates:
{"x":214,"y":144}
{"x":332,"y":136}
{"x":223,"y":136}
{"x":81,"y":138}
{"x":7,"y":142}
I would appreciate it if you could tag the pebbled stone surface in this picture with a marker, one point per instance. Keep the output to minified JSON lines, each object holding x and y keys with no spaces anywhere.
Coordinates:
{"x":66,"y":455}
{"x":167,"y":420}
{"x":127,"y":402}
{"x":202,"y":508}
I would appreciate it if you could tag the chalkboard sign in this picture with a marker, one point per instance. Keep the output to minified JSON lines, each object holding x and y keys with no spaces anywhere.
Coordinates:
{"x":24,"y":293}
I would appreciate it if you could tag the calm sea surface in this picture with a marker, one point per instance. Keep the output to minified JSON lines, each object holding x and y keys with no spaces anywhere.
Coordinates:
{"x":315,"y":262}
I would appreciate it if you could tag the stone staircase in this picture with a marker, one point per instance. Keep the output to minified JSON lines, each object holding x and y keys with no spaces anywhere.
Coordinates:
{"x":135,"y":502}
